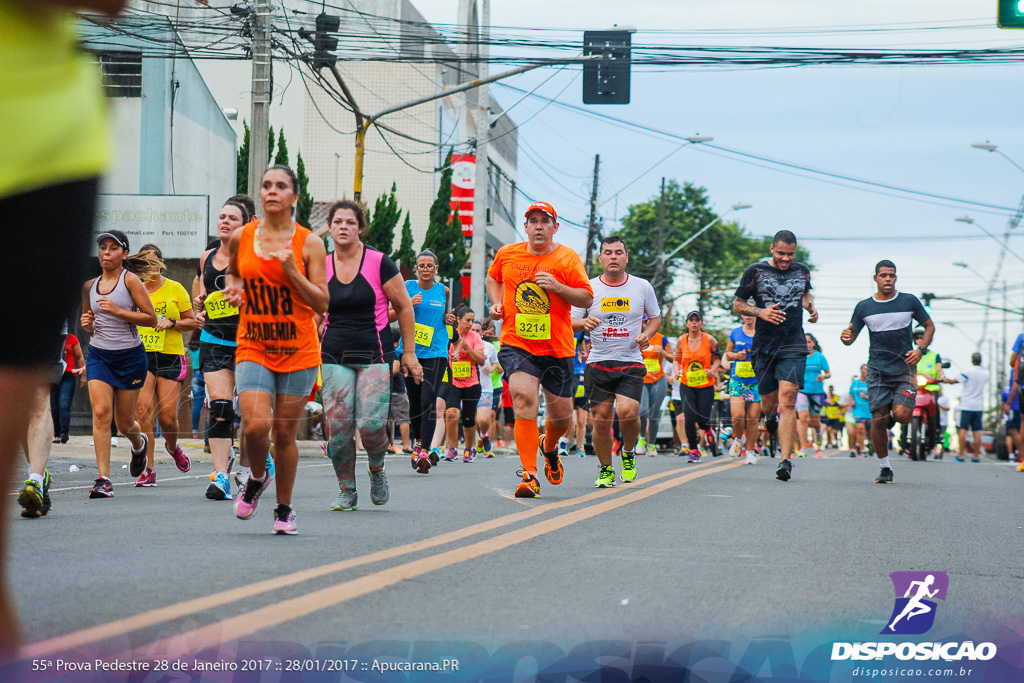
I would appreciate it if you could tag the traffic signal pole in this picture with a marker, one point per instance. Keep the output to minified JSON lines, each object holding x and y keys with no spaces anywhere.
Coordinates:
{"x":259,"y":151}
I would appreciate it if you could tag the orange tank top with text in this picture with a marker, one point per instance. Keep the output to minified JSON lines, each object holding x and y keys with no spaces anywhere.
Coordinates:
{"x":694,"y":367}
{"x":276,"y":327}
{"x":653,"y":359}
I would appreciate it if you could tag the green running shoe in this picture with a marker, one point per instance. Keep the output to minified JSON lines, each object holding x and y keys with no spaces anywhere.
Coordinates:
{"x":628,"y":467}
{"x":606,"y":478}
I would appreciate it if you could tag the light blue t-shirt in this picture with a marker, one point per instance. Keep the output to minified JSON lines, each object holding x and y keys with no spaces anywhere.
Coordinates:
{"x":816,"y":364}
{"x":430,"y":313}
{"x":861,"y":411}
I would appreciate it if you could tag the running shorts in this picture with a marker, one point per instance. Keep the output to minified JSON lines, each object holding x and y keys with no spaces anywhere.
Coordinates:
{"x":748,"y":392}
{"x":166,"y":365}
{"x":399,"y":411}
{"x":970,"y":420}
{"x":885,"y":389}
{"x":812,"y":403}
{"x":771,"y":369}
{"x":121,"y":369}
{"x":214,"y":357}
{"x":556,"y":375}
{"x":603,"y":381}
{"x":251,"y":376}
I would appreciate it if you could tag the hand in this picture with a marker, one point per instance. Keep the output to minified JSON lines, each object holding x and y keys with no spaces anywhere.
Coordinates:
{"x":820,"y":378}
{"x":234,"y":295}
{"x":772,"y":315}
{"x":1005,"y":408}
{"x":286,"y":257}
{"x":590,"y":323}
{"x":913,"y":356}
{"x":449,"y":319}
{"x":548,"y":282}
{"x":741,"y":355}
{"x":87,"y":320}
{"x":108,"y":306}
{"x":411,"y":366}
{"x":200,"y":319}
{"x":946,"y":380}
{"x":418,"y":299}
{"x":813,"y":317}
{"x":642,"y":340}
{"x":847,"y":336}
{"x":163,"y":324}
{"x":197,"y":303}
{"x":497,"y":311}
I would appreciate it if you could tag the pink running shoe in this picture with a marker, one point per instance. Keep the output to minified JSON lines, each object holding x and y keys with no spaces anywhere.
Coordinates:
{"x":181,"y":460}
{"x":284,"y":520}
{"x":452,"y":455}
{"x":249,"y":497}
{"x":148,"y":478}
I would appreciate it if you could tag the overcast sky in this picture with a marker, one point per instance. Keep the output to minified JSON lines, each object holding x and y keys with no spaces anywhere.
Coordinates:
{"x":907,"y":126}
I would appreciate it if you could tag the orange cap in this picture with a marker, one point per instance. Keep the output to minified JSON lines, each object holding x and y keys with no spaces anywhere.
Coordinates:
{"x":542,"y":206}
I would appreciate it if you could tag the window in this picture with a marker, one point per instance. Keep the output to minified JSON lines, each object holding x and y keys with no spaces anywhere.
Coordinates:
{"x":121,"y":73}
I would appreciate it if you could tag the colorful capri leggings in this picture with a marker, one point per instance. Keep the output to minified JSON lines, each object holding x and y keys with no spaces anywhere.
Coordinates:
{"x":356,"y":396}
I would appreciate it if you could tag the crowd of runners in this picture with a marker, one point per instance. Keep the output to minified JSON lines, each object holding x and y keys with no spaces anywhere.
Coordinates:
{"x":276,"y":319}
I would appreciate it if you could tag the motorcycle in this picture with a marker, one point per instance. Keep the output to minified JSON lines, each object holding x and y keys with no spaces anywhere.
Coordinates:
{"x":922,"y":435}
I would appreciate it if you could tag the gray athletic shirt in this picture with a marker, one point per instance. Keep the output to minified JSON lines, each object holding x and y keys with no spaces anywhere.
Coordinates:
{"x":621,"y":309}
{"x":111,"y":333}
{"x":890,"y":324}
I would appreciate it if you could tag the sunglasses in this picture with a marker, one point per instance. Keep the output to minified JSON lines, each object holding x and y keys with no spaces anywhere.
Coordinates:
{"x":425,"y":266}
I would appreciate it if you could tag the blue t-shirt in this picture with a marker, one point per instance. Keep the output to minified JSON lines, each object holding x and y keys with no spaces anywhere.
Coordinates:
{"x":1006,"y":394}
{"x":860,"y":403}
{"x":742,"y":342}
{"x":816,"y":364}
{"x":1018,"y":342}
{"x":430,"y":314}
{"x":581,"y":365}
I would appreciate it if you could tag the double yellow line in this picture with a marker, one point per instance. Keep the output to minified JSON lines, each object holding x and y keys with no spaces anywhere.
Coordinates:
{"x":234,"y":628}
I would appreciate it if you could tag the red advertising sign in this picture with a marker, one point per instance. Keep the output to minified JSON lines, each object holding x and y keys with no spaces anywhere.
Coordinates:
{"x":463,"y":184}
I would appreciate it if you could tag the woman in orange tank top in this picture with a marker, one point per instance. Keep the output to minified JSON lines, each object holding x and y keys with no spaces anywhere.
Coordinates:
{"x":697,"y":361}
{"x":277,"y":277}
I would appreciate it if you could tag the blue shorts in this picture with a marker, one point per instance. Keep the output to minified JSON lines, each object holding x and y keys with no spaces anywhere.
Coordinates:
{"x":748,"y":392}
{"x":971,"y":420}
{"x":1013,"y":422}
{"x":772,"y":369}
{"x":251,"y":376}
{"x":121,"y":369}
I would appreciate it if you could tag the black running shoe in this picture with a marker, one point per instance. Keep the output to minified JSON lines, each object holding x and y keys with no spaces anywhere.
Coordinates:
{"x":785,"y":470}
{"x":46,"y":492}
{"x":885,"y":476}
{"x":712,"y":442}
{"x":138,"y":462}
{"x":102,"y":489}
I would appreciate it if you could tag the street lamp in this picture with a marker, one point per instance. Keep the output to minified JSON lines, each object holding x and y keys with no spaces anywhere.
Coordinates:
{"x":739,"y":206}
{"x":1002,"y":243}
{"x":692,"y":140}
{"x":961,"y":264}
{"x":989,"y":147}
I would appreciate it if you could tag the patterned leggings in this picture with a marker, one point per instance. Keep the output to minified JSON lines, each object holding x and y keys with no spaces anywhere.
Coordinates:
{"x":356,"y":396}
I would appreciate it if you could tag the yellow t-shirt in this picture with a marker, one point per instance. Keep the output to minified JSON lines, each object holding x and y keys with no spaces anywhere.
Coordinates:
{"x":51,"y":102}
{"x":168,"y":301}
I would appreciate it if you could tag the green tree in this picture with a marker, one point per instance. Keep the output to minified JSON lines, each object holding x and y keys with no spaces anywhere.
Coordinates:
{"x":380,"y":229}
{"x":281,"y":158}
{"x":444,"y":232}
{"x":304,"y":206}
{"x":405,"y":256}
{"x":242,"y":164}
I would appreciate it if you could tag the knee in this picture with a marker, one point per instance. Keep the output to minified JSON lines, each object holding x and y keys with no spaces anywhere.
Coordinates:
{"x":902,"y":414}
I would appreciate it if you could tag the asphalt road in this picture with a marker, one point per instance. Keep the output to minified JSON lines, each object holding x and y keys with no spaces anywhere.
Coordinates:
{"x":687,"y":553}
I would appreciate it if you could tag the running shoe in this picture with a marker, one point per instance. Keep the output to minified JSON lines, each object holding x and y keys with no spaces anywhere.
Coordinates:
{"x":486,"y":445}
{"x":348,"y":499}
{"x":884,"y":476}
{"x":615,"y":448}
{"x":712,"y":442}
{"x":138,"y":461}
{"x":975,"y":460}
{"x":452,"y":455}
{"x":147,"y":478}
{"x":181,"y":460}
{"x":232,"y":457}
{"x":628,"y":467}
{"x":958,"y":459}
{"x":271,"y":470}
{"x":434,"y":456}
{"x":726,"y":434}
{"x":479,"y":443}
{"x":853,"y":453}
{"x":529,"y":487}
{"x":489,"y":454}
{"x":423,"y":462}
{"x":102,"y":489}
{"x":380,"y":492}
{"x":469,"y":455}
{"x":751,"y":458}
{"x":249,"y":497}
{"x":818,"y":453}
{"x":563,"y":444}
{"x":113,"y":442}
{"x":64,"y":438}
{"x":416,"y":449}
{"x":605,"y":477}
{"x":35,"y":497}
{"x":284,"y":520}
{"x":1020,"y":467}
{"x":798,"y":453}
{"x":219,"y":488}
{"x":694,"y":456}
{"x":735,"y":451}
{"x":553,"y":470}
{"x":785,"y":470}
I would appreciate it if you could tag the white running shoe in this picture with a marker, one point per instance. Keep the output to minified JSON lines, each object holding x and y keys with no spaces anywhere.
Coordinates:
{"x":735,"y":451}
{"x":641,"y":447}
{"x":113,"y":442}
{"x":751,"y":459}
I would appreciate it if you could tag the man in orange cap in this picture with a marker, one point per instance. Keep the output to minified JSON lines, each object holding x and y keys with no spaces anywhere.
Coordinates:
{"x":533,"y":285}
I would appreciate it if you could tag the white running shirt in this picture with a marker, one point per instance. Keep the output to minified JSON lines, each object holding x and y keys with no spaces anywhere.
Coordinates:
{"x":621,"y":310}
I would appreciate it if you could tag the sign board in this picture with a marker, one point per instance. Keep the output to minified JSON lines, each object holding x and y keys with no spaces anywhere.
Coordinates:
{"x":463,"y":184}
{"x":178,"y":224}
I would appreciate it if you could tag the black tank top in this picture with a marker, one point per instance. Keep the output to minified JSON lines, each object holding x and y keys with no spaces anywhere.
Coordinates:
{"x":214,"y":280}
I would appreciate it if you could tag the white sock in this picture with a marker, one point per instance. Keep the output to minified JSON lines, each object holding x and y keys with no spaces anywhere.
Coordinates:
{"x":243,"y":470}
{"x":37,"y":478}
{"x":884,"y":462}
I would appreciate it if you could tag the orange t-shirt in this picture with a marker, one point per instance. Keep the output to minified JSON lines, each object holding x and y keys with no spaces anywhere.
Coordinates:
{"x":653,"y":359}
{"x":275,"y":326}
{"x":694,"y":367}
{"x":535,"y":320}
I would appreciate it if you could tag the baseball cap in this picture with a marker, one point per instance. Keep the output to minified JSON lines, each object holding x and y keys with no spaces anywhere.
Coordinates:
{"x":542,"y":206}
{"x":115,"y":235}
{"x":695,"y":313}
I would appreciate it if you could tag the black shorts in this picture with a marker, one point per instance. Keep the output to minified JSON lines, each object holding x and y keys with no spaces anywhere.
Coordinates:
{"x":449,"y":394}
{"x":556,"y":375}
{"x":605,"y":380}
{"x":510,"y":415}
{"x":886,"y":390}
{"x":65,"y":214}
{"x":214,"y":357}
{"x":166,"y":365}
{"x":772,"y":368}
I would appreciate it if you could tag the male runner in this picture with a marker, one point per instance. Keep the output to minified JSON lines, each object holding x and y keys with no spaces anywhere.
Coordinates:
{"x":533,"y":284}
{"x":614,"y":377}
{"x":780,"y":288}
{"x":892,"y":357}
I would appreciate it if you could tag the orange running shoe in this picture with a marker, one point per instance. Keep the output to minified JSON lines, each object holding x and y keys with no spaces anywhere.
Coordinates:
{"x":553,"y":468}
{"x":529,"y":487}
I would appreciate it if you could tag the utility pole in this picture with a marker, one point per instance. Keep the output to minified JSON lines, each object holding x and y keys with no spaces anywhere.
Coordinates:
{"x":478,"y":248}
{"x":259,"y":153}
{"x":592,"y":226}
{"x":660,"y":265}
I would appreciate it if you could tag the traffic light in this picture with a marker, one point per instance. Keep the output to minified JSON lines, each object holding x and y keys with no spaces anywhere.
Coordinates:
{"x":606,"y":80}
{"x":927,"y":299}
{"x":323,"y":43}
{"x":1011,"y":14}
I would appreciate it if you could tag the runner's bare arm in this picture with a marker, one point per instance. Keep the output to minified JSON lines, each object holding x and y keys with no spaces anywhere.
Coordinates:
{"x":233,"y":291}
{"x":145,"y":316}
{"x":651,"y":329}
{"x":730,"y":351}
{"x":771,"y":314}
{"x":496,"y":292}
{"x":398,"y":297}
{"x":88,"y":317}
{"x":716,"y":356}
{"x":577,"y":325}
{"x":808,"y":304}
{"x":200,"y":296}
{"x":574,"y":296}
{"x":848,"y":336}
{"x":476,"y":355}
{"x":312,"y":286}
{"x":914,"y":355}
